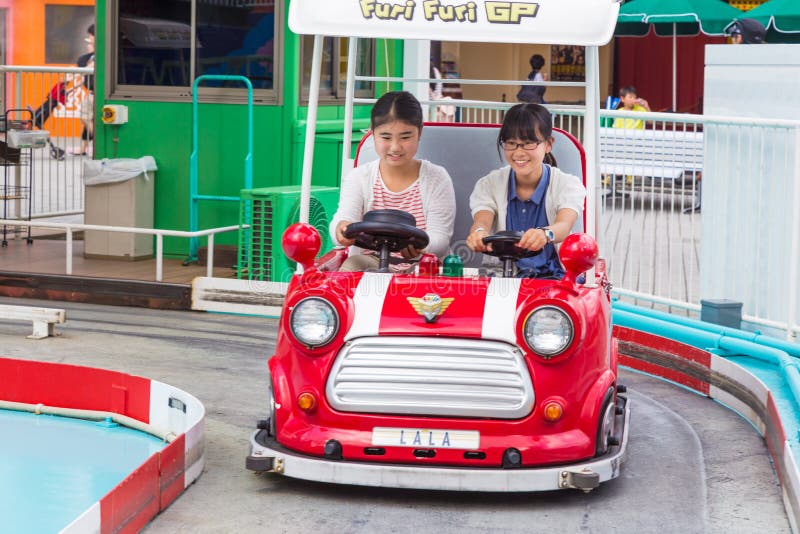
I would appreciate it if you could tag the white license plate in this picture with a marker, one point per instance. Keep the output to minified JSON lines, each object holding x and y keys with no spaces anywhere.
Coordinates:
{"x":426,"y":438}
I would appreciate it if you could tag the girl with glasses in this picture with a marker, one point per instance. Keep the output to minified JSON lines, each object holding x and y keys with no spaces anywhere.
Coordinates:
{"x":529,"y":195}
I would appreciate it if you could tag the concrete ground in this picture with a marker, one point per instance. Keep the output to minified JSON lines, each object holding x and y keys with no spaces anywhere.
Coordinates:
{"x":693,"y":466}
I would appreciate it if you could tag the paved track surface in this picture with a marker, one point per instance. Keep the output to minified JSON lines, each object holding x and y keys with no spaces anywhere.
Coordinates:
{"x":693,"y":465}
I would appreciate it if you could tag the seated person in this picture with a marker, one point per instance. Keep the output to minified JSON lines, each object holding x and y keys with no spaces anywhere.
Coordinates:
{"x":397,"y":180}
{"x":630,"y":101}
{"x":529,"y":195}
{"x":746,"y":31}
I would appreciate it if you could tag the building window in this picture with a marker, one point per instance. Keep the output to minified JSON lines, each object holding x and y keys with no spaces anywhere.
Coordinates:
{"x":162,"y":46}
{"x":334,"y":67}
{"x":65,"y":30}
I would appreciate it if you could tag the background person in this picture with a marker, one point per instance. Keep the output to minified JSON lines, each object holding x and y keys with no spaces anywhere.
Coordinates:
{"x":89,"y":40}
{"x":58,"y":96}
{"x":87,"y":105}
{"x":396,"y":180}
{"x":443,"y":113}
{"x":746,"y":31}
{"x":86,"y":109}
{"x":630,"y":101}
{"x":534,"y":93}
{"x":530,"y":195}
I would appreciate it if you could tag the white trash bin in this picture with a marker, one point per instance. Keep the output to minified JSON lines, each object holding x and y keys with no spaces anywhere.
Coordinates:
{"x":119,"y":192}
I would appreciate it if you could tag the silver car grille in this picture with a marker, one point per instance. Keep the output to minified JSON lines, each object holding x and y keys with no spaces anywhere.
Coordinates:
{"x":431,"y":376}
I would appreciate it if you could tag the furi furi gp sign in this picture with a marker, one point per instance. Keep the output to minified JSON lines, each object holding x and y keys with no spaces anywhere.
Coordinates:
{"x":583,"y":22}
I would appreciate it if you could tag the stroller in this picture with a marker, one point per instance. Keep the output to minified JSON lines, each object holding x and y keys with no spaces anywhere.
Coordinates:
{"x":57,"y":95}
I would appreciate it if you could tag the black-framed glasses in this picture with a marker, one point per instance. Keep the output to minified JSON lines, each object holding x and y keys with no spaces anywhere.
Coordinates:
{"x":529,"y":145}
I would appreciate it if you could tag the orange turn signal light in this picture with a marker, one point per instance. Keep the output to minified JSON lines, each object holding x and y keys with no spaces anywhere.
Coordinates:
{"x":553,"y":411}
{"x":306,"y":402}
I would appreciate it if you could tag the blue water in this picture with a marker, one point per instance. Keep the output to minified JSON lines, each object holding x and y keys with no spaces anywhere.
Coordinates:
{"x":53,"y":468}
{"x":775,"y":380}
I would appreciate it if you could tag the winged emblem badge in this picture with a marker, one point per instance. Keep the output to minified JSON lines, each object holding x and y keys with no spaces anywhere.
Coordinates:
{"x":431,"y":306}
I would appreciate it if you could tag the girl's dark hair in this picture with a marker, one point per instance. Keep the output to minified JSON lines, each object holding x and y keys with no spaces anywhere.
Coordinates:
{"x":396,"y":106}
{"x":537,"y":62}
{"x":526,"y":121}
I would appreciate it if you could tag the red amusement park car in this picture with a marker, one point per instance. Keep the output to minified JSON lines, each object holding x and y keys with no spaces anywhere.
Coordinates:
{"x":471,"y":382}
{"x":468,"y":382}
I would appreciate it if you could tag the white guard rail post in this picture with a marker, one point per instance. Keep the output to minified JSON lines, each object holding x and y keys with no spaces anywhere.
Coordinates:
{"x":44,"y":319}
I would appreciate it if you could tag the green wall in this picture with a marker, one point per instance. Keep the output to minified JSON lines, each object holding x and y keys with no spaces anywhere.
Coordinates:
{"x":164,"y":130}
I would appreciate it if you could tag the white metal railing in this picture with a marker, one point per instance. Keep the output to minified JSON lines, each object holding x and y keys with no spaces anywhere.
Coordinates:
{"x":694,"y":206}
{"x":662,"y":244}
{"x":57,"y":100}
{"x":728,"y":228}
{"x":69,"y":228}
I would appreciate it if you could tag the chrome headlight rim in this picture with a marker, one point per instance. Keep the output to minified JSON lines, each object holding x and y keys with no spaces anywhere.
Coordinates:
{"x":313,"y":344}
{"x":549,"y":354}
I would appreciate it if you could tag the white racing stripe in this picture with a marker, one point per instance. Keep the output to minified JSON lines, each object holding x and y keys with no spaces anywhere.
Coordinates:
{"x":368,"y":301}
{"x":500,"y":309}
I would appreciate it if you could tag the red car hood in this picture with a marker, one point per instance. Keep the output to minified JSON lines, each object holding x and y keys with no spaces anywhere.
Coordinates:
{"x":388,"y":305}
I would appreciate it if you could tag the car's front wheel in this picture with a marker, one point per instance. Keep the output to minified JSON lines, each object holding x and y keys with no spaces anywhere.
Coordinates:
{"x":605,"y":426}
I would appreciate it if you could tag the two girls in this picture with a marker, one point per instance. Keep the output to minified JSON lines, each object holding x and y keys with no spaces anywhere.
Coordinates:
{"x":529,"y":195}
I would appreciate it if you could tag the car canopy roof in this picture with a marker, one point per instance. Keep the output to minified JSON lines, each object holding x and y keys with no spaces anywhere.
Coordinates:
{"x":578,"y":22}
{"x":588,"y":23}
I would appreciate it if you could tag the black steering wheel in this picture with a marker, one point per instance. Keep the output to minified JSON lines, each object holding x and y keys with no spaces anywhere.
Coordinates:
{"x":387,"y":231}
{"x":504,"y":247}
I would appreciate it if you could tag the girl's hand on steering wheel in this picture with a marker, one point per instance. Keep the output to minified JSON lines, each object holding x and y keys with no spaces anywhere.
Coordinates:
{"x":533,"y":239}
{"x":475,"y":240}
{"x":342,"y":240}
{"x":411,"y":252}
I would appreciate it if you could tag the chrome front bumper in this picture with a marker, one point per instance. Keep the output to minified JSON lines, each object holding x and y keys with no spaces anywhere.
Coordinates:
{"x":266,"y":455}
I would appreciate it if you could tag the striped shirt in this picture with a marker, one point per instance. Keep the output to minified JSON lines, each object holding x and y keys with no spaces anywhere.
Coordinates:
{"x":408,"y":200}
{"x":357,"y":196}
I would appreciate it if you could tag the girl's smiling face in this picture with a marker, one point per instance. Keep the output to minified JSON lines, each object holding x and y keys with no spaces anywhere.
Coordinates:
{"x":396,"y":143}
{"x":526,"y":156}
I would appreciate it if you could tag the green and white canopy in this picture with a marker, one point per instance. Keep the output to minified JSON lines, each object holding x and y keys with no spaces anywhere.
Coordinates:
{"x":780,"y":17}
{"x":676,"y":17}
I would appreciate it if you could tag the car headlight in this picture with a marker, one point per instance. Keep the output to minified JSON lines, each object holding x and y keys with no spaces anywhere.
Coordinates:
{"x":548,"y":331}
{"x":314,"y":322}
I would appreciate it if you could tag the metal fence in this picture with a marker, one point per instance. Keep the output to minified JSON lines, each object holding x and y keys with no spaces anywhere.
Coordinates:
{"x":71,"y":228}
{"x":43,"y":181}
{"x":695,"y":207}
{"x":700,"y":207}
{"x":689,"y":207}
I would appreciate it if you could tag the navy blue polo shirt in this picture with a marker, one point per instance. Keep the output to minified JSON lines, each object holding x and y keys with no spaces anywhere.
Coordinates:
{"x":522,"y":215}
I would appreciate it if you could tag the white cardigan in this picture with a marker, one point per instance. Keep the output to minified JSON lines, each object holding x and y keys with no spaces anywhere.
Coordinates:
{"x":438,"y":202}
{"x":491,"y":194}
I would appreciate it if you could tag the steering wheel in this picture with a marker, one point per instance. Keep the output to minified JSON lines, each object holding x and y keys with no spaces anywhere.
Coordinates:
{"x":387,"y":231}
{"x":504,"y":247}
